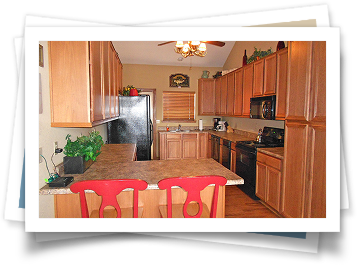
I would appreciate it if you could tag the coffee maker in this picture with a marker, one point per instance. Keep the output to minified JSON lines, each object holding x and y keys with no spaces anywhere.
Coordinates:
{"x":215,"y":123}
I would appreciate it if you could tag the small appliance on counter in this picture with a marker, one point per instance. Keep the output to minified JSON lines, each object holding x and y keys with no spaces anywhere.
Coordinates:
{"x":221,"y":127}
{"x":215,"y":123}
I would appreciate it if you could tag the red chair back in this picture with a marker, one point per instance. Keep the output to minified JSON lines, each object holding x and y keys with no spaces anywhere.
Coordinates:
{"x":193,"y":186}
{"x":108,"y":189}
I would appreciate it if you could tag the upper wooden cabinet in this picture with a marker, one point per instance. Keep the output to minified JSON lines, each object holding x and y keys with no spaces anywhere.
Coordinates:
{"x":84,"y":81}
{"x":267,"y":76}
{"x":206,"y":96}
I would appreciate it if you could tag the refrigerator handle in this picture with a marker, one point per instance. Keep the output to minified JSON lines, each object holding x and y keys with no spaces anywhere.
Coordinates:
{"x":151,"y":132}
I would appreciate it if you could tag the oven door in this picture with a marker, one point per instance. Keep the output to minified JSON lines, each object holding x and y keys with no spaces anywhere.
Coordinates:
{"x":246,"y":164}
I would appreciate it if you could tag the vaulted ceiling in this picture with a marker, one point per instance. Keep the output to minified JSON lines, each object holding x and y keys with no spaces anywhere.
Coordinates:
{"x":148,"y":52}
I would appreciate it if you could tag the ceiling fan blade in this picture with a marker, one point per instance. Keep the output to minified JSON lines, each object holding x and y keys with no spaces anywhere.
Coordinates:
{"x":217,"y":43}
{"x":165,"y":43}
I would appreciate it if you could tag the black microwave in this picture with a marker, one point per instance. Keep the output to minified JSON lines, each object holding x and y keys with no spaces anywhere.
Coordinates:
{"x":263,"y":108}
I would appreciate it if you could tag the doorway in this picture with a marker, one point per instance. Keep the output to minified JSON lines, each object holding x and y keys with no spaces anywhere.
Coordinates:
{"x":152,"y":93}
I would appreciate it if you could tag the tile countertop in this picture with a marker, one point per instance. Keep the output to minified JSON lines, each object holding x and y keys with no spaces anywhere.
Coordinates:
{"x":233,"y":137}
{"x":114,"y":162}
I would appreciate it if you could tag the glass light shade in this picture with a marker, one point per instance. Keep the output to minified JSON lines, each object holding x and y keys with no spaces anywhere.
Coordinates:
{"x":179,"y":44}
{"x":195,"y":42}
{"x":202,"y":47}
{"x":186,"y":47}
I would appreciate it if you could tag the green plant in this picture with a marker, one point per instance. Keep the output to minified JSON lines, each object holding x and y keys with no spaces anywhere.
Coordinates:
{"x":87,"y":146}
{"x":258,"y":54}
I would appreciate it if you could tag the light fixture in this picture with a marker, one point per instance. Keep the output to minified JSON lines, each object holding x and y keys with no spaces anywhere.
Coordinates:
{"x":191,"y":48}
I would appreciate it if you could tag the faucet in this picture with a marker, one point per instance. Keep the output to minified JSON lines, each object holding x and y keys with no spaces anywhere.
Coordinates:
{"x":179,"y":127}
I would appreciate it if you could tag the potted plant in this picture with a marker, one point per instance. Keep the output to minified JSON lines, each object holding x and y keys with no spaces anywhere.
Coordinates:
{"x":81,"y":153}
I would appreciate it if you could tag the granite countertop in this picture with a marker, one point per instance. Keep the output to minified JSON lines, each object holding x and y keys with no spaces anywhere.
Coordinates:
{"x":185,"y":131}
{"x":233,"y":137}
{"x":277,"y":152}
{"x":114,"y":163}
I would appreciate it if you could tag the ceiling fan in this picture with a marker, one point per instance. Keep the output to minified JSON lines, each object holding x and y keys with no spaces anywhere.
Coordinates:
{"x":192,"y":48}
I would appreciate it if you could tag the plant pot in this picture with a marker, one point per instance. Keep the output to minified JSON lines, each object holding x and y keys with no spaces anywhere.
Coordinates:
{"x":134,"y":92}
{"x":76,"y":165}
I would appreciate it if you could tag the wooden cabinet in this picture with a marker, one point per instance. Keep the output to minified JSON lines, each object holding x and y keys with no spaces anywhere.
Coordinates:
{"x":189,"y":146}
{"x":173,"y":146}
{"x":224,"y":90}
{"x":206,"y":96}
{"x":281,"y":83}
{"x":258,"y":80}
{"x":238,"y":93}
{"x":217,"y":85}
{"x":270,"y":75}
{"x":247,"y":89}
{"x":304,"y":180}
{"x":230,"y":93}
{"x":183,"y":145}
{"x":84,"y":83}
{"x":233,"y":157}
{"x":268,"y":181}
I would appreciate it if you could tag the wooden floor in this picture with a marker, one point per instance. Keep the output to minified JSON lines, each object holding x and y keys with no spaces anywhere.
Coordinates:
{"x":240,"y":205}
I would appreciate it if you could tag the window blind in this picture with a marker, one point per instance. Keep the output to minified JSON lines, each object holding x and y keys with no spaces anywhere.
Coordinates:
{"x":178,"y":106}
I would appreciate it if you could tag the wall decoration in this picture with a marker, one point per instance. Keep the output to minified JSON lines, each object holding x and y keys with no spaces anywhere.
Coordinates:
{"x":41,"y":56}
{"x":179,"y":80}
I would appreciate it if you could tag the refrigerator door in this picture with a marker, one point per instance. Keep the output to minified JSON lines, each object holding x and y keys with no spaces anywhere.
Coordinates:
{"x":133,"y":125}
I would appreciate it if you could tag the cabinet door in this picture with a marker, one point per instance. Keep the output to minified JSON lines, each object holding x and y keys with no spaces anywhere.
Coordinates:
{"x":315,"y":199}
{"x":111,"y":58}
{"x":96,"y":80}
{"x":294,"y":178}
{"x":270,"y":75}
{"x":206,"y":96}
{"x":69,"y":83}
{"x":299,"y":80}
{"x":261,"y":181}
{"x":281,"y":83}
{"x":224,"y":91}
{"x":173,"y":147}
{"x":258,"y":82}
{"x":238,"y":92}
{"x":247,"y":89}
{"x":218,"y":95}
{"x":106,"y":78}
{"x":230,"y":93}
{"x":202,"y":145}
{"x":273,"y":188}
{"x":189,"y":146}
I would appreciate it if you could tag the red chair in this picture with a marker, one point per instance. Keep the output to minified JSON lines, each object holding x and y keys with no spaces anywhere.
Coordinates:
{"x":193,"y":186}
{"x":108,"y":189}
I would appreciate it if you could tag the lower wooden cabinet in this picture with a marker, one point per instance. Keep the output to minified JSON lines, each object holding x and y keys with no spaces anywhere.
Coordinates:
{"x":268,"y":182}
{"x":183,"y":145}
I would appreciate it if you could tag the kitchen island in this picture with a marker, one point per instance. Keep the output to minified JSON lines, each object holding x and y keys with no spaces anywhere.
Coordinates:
{"x":116,"y":161}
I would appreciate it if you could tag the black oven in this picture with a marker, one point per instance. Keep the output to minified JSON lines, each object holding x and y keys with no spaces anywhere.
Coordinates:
{"x":263,"y":108}
{"x":246,"y":168}
{"x":215,"y":148}
{"x":226,"y":153}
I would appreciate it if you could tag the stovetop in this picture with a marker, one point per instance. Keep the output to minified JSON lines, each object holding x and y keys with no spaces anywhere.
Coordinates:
{"x":256,"y":144}
{"x":271,"y":137}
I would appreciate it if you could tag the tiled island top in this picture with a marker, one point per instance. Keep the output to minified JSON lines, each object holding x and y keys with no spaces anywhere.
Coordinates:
{"x":115,"y":161}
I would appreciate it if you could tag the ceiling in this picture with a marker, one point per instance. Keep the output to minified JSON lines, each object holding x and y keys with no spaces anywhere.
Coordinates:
{"x":148,"y":52}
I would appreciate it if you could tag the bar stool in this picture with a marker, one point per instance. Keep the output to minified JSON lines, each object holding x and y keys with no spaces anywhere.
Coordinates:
{"x":193,"y":186}
{"x":108,"y":189}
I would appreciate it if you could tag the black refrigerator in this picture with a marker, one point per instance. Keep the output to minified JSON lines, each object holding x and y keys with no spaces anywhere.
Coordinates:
{"x":133,"y":126}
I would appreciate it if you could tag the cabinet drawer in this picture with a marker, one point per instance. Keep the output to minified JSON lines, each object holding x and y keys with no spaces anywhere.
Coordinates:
{"x":189,"y":136}
{"x":173,"y":136}
{"x":269,"y":160}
